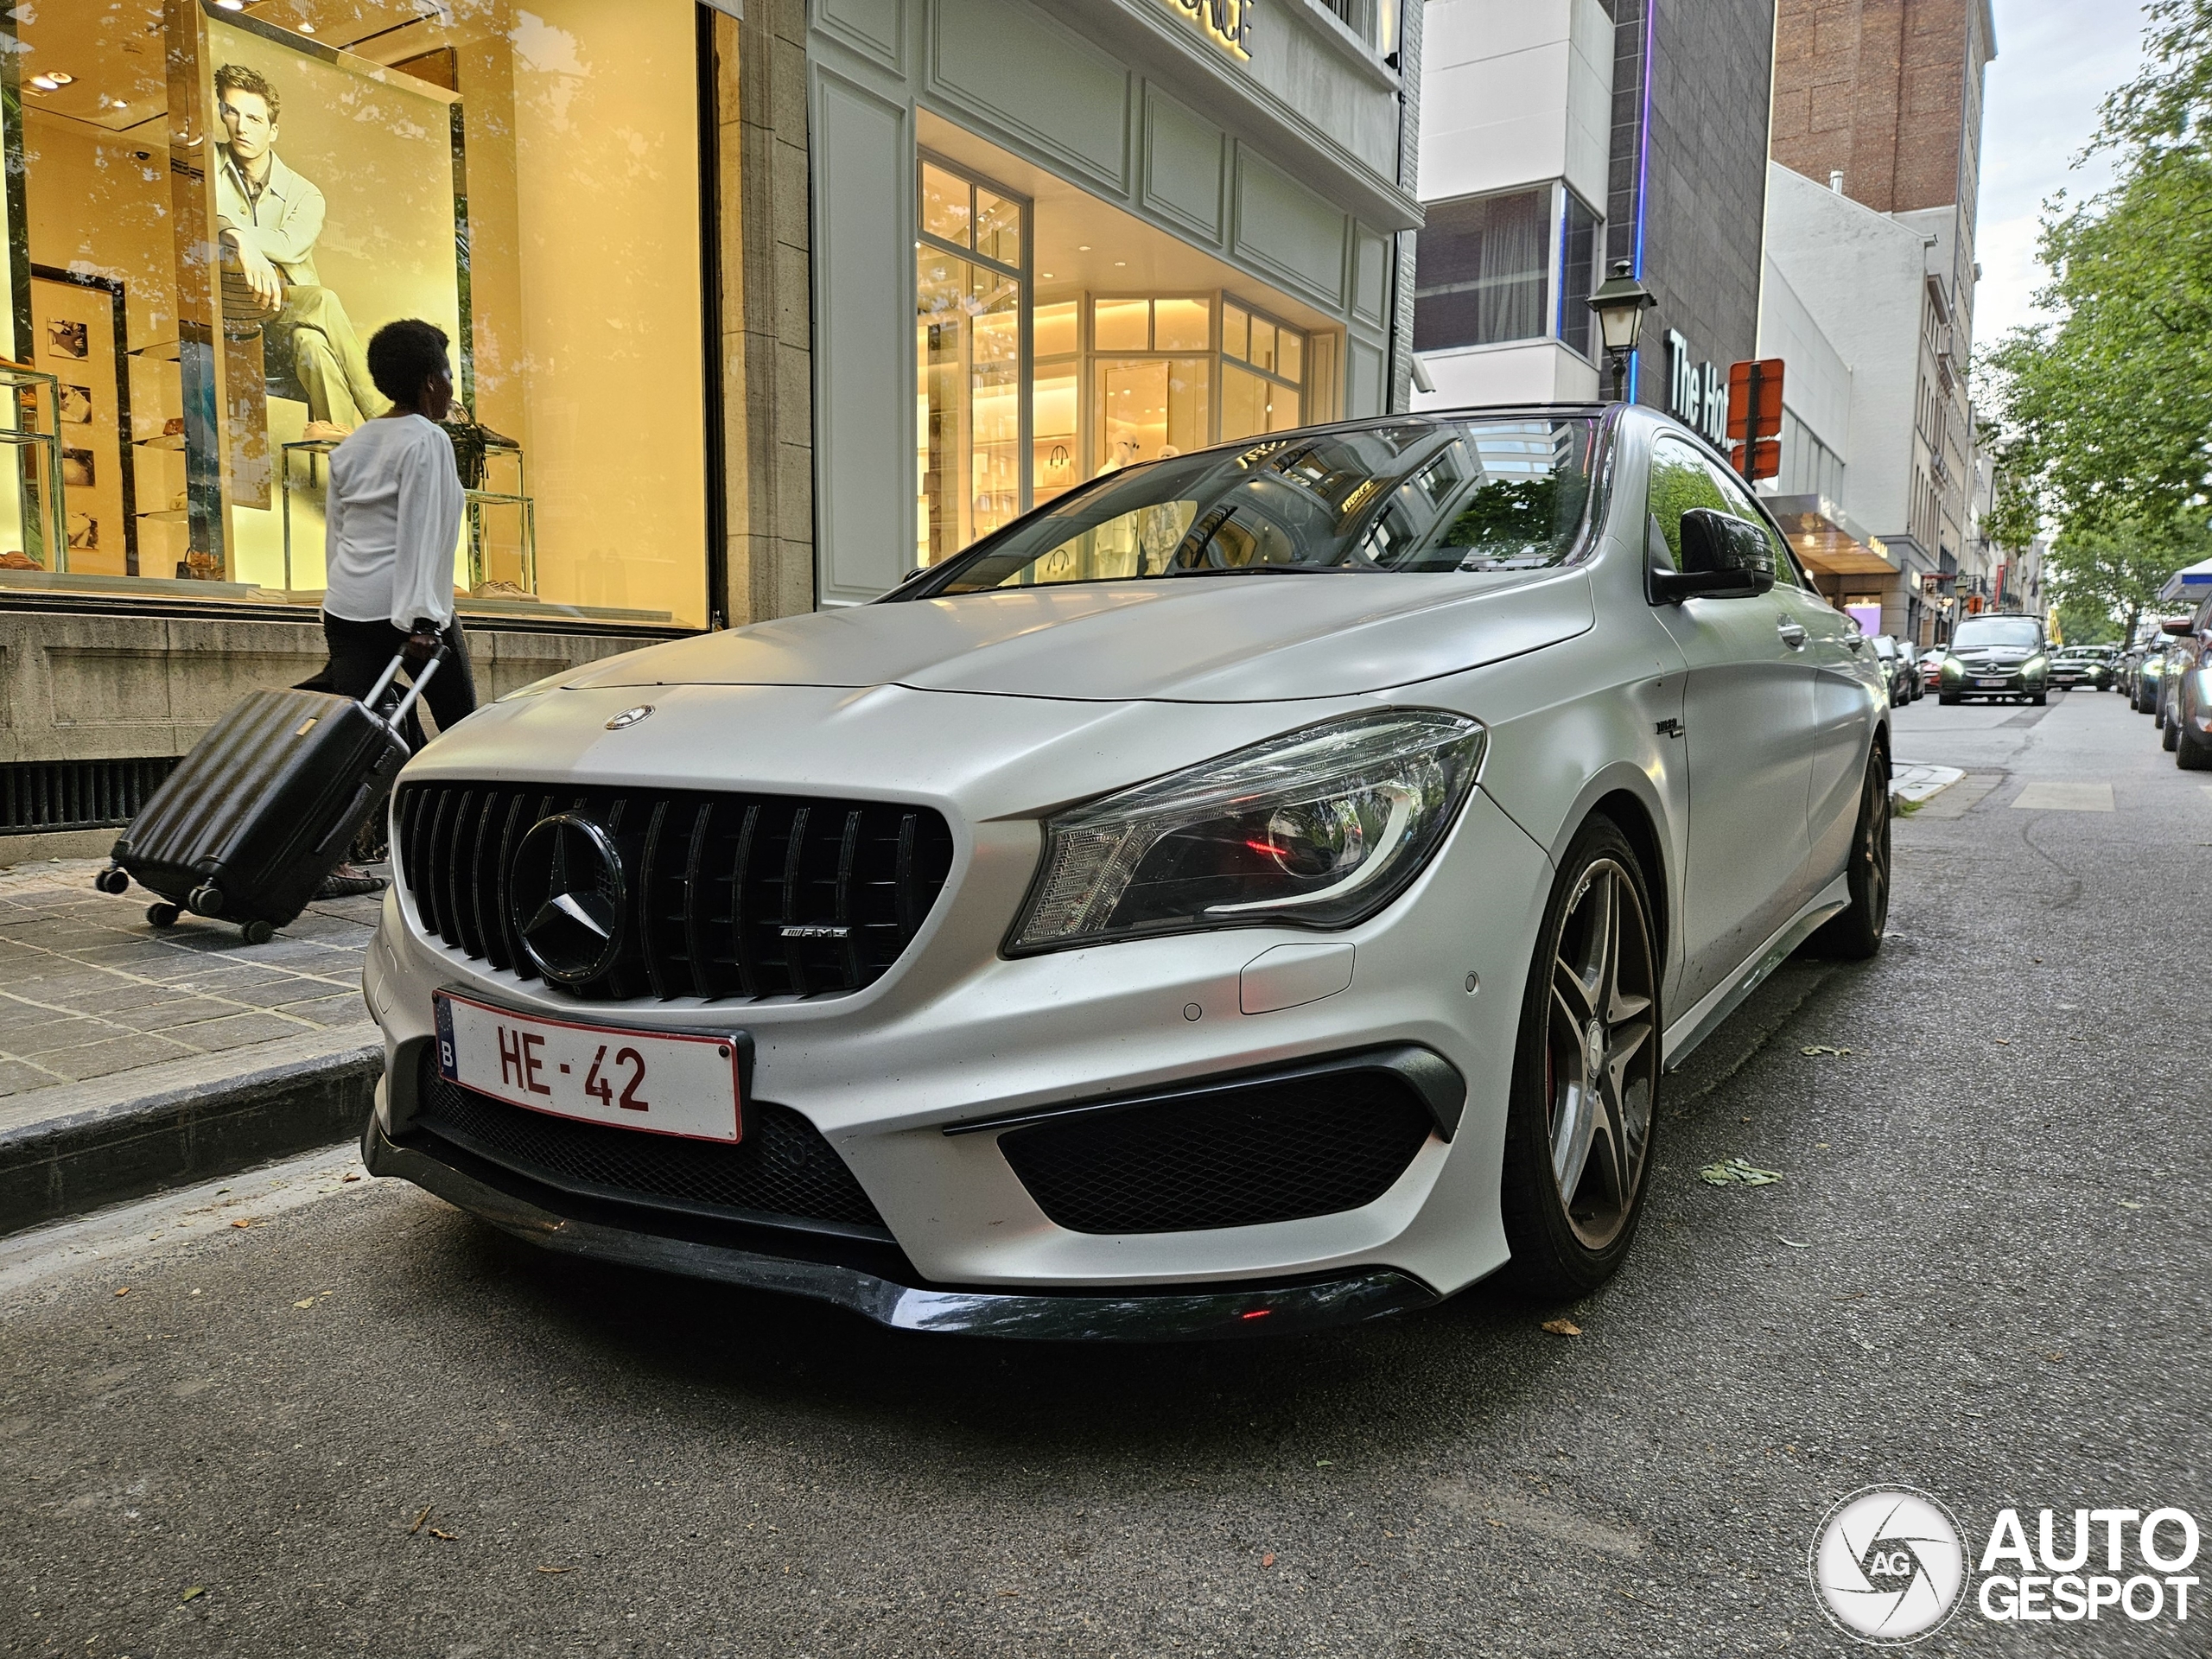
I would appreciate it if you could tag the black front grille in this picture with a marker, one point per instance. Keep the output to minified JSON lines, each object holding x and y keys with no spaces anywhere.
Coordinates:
{"x":713,"y":884}
{"x":782,"y":1172}
{"x":1275,"y":1151}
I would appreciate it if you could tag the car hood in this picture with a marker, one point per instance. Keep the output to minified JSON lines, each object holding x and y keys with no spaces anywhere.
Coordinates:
{"x":1222,"y":639}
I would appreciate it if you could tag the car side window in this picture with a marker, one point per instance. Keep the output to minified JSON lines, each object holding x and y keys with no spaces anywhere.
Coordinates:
{"x":1679,"y":482}
{"x":1737,"y":501}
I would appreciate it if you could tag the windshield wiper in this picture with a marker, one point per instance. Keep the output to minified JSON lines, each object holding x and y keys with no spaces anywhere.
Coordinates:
{"x":1260,"y":571}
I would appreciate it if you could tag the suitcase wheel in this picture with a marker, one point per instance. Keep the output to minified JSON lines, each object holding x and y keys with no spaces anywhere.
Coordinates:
{"x":111,"y":880}
{"x":162,"y":915}
{"x":205,"y":900}
{"x":257,"y":932}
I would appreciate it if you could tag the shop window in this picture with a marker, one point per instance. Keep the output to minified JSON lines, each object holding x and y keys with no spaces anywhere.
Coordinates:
{"x":528,"y":181}
{"x":1263,"y":374}
{"x":1478,"y":270}
{"x":970,"y":314}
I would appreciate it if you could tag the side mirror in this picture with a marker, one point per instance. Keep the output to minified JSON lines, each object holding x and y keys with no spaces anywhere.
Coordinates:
{"x":1723,"y":558}
{"x":2176,"y":624}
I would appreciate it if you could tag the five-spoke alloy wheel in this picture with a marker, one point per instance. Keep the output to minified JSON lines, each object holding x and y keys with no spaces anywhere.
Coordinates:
{"x":1586,"y":1074}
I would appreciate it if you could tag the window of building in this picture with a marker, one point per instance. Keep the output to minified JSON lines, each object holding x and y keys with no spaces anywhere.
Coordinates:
{"x":529,"y":182}
{"x":1581,"y":252}
{"x":969,"y":317}
{"x":1479,"y":271}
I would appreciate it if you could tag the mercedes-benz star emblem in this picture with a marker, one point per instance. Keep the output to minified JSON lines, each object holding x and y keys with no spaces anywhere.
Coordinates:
{"x":629,"y":717}
{"x":565,"y":896}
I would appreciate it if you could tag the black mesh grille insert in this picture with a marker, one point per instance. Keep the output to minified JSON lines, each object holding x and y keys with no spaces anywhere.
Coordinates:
{"x":1275,"y":1151}
{"x":714,"y":886}
{"x":782,"y":1171}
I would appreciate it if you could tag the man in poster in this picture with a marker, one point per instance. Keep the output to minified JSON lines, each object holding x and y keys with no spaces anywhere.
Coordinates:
{"x":269,"y":218}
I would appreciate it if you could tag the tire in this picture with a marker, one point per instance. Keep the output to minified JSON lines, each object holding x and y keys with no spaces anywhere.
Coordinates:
{"x":2191,"y":753}
{"x":2039,"y":700}
{"x":1947,"y":699}
{"x":1587,"y":1057}
{"x":2169,"y":734}
{"x":162,"y":915}
{"x":1855,"y":933}
{"x":257,"y":932}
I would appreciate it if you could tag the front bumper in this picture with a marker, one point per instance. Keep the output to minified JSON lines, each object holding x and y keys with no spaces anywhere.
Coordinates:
{"x":1182,"y":1313}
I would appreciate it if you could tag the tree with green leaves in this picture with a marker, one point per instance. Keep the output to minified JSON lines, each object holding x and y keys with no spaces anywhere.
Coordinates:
{"x":2107,"y":410}
{"x":2116,"y":572}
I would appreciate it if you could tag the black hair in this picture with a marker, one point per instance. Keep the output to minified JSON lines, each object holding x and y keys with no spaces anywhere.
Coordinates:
{"x":403,"y":354}
{"x":237,"y":78}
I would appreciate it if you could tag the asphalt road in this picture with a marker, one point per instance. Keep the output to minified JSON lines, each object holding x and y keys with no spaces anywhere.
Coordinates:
{"x":1984,"y":1273}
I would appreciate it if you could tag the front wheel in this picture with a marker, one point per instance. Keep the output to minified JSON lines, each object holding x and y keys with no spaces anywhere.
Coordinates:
{"x":1855,"y":933}
{"x":1947,"y":699}
{"x":2191,"y":753}
{"x":2169,"y":732}
{"x":1585,"y":1074}
{"x":2039,"y":700}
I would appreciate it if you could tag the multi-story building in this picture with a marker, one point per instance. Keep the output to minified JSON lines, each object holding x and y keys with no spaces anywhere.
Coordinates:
{"x":1561,"y":135}
{"x":1877,"y":136}
{"x":755,"y":305}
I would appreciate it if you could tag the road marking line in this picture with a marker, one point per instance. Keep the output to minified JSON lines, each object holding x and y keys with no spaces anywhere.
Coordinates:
{"x":2064,"y":798}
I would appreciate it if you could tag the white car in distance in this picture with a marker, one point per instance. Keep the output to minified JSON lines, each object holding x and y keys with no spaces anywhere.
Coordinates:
{"x":1264,"y":887}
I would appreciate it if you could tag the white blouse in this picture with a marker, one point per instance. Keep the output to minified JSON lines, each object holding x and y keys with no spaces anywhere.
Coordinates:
{"x":393,"y":522}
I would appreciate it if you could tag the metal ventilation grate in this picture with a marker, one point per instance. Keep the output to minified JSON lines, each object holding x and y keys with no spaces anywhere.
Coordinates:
{"x":1276,"y":1151}
{"x":727,"y":895}
{"x":782,"y":1173}
{"x":49,"y":795}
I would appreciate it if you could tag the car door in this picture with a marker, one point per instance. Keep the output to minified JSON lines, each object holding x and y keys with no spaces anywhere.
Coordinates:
{"x":1747,"y":725}
{"x":1847,"y":685}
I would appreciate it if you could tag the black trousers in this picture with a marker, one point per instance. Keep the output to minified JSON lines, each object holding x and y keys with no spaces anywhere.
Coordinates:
{"x":360,"y":652}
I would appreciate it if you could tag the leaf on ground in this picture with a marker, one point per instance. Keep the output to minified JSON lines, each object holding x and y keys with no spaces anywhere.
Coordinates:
{"x":355,"y":1176}
{"x":1811,"y":1050}
{"x":1793,"y":1244}
{"x":125,"y":1291}
{"x":196,"y":1590}
{"x":308,"y":1303}
{"x":241,"y":1223}
{"x":1735,"y":1172}
{"x":2124,"y":1203}
{"x":419,"y":1520}
{"x":448,"y":1536}
{"x":556,"y":1569}
{"x":1563,"y":1327}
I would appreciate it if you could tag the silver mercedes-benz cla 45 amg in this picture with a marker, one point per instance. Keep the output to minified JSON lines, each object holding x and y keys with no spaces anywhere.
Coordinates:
{"x":1263,"y":888}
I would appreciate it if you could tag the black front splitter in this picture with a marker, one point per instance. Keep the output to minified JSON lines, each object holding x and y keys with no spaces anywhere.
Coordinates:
{"x":1151,"y":1315}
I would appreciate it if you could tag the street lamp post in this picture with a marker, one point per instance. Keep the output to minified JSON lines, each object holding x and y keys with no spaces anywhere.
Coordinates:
{"x":1620,"y":303}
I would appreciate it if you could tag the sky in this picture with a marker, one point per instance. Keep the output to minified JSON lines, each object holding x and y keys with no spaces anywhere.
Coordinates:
{"x":2056,"y":60}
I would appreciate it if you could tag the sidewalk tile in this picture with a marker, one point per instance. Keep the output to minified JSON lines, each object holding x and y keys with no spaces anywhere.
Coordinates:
{"x":103,"y":1059}
{"x":234,"y":1031}
{"x":19,"y":1077}
{"x":342,"y":1010}
{"x":163,"y":1017}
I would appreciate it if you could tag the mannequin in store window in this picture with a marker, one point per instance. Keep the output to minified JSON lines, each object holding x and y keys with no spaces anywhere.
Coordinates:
{"x":394,"y":521}
{"x":269,"y":219}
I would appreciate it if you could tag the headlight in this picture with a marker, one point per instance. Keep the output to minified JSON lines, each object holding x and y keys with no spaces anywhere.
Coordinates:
{"x":1319,"y":827}
{"x":2036,"y":665}
{"x":1952,"y":666}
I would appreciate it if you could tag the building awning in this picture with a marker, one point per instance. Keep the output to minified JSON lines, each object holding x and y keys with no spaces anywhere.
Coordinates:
{"x":1827,"y":541}
{"x":2193,"y":582}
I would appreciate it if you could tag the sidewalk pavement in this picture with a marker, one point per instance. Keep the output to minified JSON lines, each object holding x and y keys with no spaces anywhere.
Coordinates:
{"x":1910,"y":781}
{"x":133,"y":1057}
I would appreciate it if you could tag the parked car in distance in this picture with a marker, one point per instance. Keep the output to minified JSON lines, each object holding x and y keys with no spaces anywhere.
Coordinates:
{"x":1260,"y":886}
{"x":1909,"y":656}
{"x":2003,"y":655}
{"x":2081,"y":666}
{"x":2150,"y":664}
{"x":1892,"y":666}
{"x":2188,"y":675}
{"x":1931,"y":668}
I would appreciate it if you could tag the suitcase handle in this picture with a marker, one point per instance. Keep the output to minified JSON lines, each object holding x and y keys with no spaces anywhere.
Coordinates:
{"x":414,"y":691}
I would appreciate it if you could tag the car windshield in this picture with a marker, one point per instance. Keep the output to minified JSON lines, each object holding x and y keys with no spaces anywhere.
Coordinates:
{"x":1411,"y":494}
{"x":1978,"y":633}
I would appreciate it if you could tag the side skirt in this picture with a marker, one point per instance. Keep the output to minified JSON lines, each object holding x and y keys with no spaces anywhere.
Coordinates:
{"x":1701,"y":1021}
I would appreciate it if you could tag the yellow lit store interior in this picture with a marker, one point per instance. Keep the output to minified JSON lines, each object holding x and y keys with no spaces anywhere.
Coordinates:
{"x":1058,"y":337}
{"x":526,"y":177}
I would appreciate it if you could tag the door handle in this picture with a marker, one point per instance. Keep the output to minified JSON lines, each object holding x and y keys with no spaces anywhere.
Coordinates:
{"x":1793,"y":635}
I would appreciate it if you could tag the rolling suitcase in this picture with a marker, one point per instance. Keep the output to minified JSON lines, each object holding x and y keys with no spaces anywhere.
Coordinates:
{"x":266,"y":806}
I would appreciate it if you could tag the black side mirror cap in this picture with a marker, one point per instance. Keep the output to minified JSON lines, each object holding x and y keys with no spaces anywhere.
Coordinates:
{"x":1673,"y":587}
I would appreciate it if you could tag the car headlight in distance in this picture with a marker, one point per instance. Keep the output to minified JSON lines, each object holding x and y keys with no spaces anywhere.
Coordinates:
{"x":1319,"y":828}
{"x":1953,"y":665}
{"x":2036,"y":665}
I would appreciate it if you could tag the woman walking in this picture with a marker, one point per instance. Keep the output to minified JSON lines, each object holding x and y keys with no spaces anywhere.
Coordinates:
{"x":393,"y":520}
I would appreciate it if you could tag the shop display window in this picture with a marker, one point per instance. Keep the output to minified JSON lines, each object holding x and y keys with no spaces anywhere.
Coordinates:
{"x":218,"y":204}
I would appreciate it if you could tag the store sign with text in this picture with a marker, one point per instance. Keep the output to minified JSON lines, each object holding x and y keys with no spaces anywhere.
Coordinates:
{"x":1227,"y":24}
{"x":1697,"y":393}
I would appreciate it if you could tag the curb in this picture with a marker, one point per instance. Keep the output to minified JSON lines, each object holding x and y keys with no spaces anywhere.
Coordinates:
{"x":106,"y":1152}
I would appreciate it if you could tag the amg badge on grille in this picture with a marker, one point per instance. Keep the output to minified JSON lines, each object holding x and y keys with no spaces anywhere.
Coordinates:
{"x":813,"y":930}
{"x":566,"y":898}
